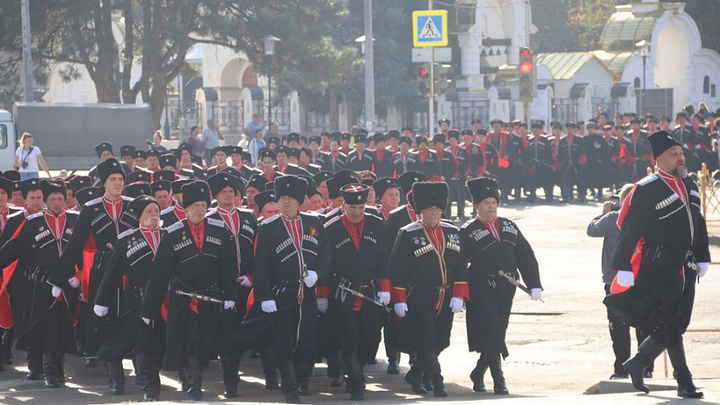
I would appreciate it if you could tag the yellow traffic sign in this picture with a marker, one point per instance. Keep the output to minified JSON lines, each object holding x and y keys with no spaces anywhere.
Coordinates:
{"x":430,"y":28}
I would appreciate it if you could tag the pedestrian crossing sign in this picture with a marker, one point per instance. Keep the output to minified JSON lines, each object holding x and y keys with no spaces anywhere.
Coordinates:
{"x":430,"y":28}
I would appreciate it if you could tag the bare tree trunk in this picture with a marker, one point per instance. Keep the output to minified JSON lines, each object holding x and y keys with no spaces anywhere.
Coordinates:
{"x":334,"y":108}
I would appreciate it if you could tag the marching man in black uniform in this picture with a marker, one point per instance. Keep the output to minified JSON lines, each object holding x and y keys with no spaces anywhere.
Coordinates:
{"x":100,"y":222}
{"x":661,"y":215}
{"x":429,"y":283}
{"x":129,"y":270}
{"x":242,"y":223}
{"x":292,"y":251}
{"x":197,"y":261}
{"x":46,"y":329}
{"x":357,"y":266}
{"x":492,"y":244}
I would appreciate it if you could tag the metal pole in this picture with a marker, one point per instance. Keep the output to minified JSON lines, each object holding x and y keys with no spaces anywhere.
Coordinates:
{"x":369,"y":70}
{"x":27,"y":71}
{"x":642,"y":105}
{"x":431,"y":96}
{"x":167,"y":115}
{"x":269,"y":119}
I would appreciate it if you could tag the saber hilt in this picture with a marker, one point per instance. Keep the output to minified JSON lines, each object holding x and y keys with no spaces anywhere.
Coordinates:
{"x":199,"y":297}
{"x":511,"y":280}
{"x":364,"y":297}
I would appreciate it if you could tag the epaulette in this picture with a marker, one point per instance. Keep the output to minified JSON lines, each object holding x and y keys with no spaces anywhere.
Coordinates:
{"x":39,"y":214}
{"x":333,"y":212}
{"x":211,"y":211}
{"x":93,"y":202}
{"x":468,"y":223}
{"x":167,"y":210}
{"x":647,"y":179}
{"x":72,"y":212}
{"x":126,"y":198}
{"x":332,"y":221}
{"x":246,"y":210}
{"x":414,"y":226}
{"x":268,"y":220}
{"x":174,"y":227}
{"x":398,"y":209}
{"x":448,"y":225}
{"x":17,"y":213}
{"x":216,"y":222}
{"x":126,"y":233}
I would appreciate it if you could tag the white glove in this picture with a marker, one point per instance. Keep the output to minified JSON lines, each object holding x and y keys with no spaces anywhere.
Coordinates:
{"x":535,"y":294}
{"x":625,"y":278}
{"x":322,"y":305}
{"x":310,"y":279}
{"x":456,"y":304}
{"x":56,"y":291}
{"x":229,"y":304}
{"x":702,"y":268}
{"x":100,"y":310}
{"x":400,"y":309}
{"x":74,"y":282}
{"x":268,"y":306}
{"x":383,"y":297}
{"x":146,"y":320}
{"x":245,"y":281}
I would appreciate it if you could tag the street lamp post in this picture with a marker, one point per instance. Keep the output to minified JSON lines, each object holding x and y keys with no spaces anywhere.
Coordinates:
{"x":369,"y":74}
{"x":269,"y":42}
{"x":644,"y":52}
{"x":167,"y":115}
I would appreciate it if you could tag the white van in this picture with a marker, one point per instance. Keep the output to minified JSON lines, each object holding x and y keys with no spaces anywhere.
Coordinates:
{"x":8,"y":142}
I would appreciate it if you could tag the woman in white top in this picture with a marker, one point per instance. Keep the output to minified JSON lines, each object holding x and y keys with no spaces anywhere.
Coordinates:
{"x":27,"y":159}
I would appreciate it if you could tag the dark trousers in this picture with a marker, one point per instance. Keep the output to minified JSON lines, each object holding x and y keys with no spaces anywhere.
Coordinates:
{"x":620,"y":336}
{"x":457,"y":194}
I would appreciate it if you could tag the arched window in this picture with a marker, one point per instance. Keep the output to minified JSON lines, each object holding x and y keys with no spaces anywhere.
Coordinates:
{"x":636,"y":83}
{"x":706,"y":85}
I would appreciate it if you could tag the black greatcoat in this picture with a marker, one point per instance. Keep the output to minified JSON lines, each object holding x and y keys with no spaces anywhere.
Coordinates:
{"x":427,"y":279}
{"x":361,"y":270}
{"x":384,"y":167}
{"x":45,"y":321}
{"x":672,"y":232}
{"x":129,"y":271}
{"x":180,"y":266}
{"x":245,"y":240}
{"x":357,"y":164}
{"x":94,"y":228}
{"x":279,"y":269}
{"x":491,"y":296}
{"x":171,"y":215}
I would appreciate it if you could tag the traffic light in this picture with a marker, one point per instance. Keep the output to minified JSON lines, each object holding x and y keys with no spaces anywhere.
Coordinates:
{"x":528,"y":75}
{"x":442,"y":79}
{"x":422,"y":79}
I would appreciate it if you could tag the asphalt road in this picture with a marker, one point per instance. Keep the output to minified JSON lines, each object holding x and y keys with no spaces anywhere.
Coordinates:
{"x":557,"y":349}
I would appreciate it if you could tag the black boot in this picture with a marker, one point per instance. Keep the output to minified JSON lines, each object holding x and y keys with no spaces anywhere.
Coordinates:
{"x":193,"y":374}
{"x":269,"y":365}
{"x":289,"y":382}
{"x":149,"y":375}
{"x":681,"y":372}
{"x":427,"y":382}
{"x":647,"y":352}
{"x":495,"y":364}
{"x":230,"y":365}
{"x":478,"y":374}
{"x":431,"y":367}
{"x":6,"y":347}
{"x":50,"y":371}
{"x":414,"y":378}
{"x":356,"y":376}
{"x":393,"y":361}
{"x":116,"y":378}
{"x":337,"y":372}
{"x":59,"y":359}
{"x":35,"y":365}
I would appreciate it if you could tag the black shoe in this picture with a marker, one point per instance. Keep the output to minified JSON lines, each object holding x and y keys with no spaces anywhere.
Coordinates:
{"x":393,"y":368}
{"x":34,"y":375}
{"x":231,"y":392}
{"x":195,"y":395}
{"x":271,"y":383}
{"x":636,"y":372}
{"x":304,"y":391}
{"x":619,"y":376}
{"x":414,"y":378}
{"x":51,"y":382}
{"x":117,"y":387}
{"x":427,"y":382}
{"x":90,"y":362}
{"x":148,"y":397}
{"x":479,"y":386}
{"x":357,"y":396}
{"x":292,"y":398}
{"x":689,"y":391}
{"x":440,"y":392}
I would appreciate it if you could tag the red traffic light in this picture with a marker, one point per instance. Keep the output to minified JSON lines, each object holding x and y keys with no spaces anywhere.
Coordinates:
{"x":526,"y":67}
{"x":423,"y":72}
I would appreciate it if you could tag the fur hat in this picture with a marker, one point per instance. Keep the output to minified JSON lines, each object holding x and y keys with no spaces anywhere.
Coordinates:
{"x":661,"y":141}
{"x":138,"y":205}
{"x":29,"y":185}
{"x":107,"y":167}
{"x":292,"y":186}
{"x":49,"y":186}
{"x":482,"y":188}
{"x":86,"y":194}
{"x":355,"y":193}
{"x":408,"y":179}
{"x":137,"y":189}
{"x":221,"y":180}
{"x":428,"y":194}
{"x":194,"y":191}
{"x":384,"y":184}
